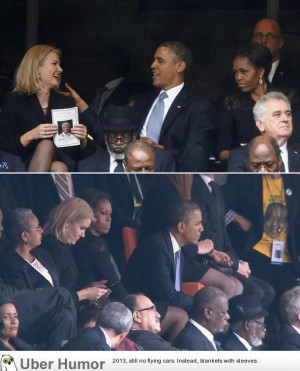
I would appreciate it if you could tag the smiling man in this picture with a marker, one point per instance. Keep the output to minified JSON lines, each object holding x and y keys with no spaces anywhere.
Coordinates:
{"x":146,"y":323}
{"x":171,"y":118}
{"x":273,"y":117}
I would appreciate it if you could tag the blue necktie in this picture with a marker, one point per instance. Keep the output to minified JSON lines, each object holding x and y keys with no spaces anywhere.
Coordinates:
{"x":156,"y":118}
{"x":177,"y":271}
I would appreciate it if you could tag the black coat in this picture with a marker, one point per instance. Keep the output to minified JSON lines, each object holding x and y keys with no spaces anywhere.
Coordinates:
{"x":90,"y":339}
{"x":231,"y":342}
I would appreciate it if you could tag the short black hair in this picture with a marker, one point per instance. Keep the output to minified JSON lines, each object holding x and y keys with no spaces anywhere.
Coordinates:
{"x":180,"y":211}
{"x":182,"y":51}
{"x":271,"y":140}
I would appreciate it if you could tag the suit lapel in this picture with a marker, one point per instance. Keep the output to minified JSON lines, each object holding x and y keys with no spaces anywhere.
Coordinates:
{"x":293,"y":157}
{"x":176,"y":108}
{"x":171,"y":253}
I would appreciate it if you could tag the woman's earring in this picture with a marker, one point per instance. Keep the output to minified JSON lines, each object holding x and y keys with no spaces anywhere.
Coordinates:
{"x":260,"y":81}
{"x":25,"y":242}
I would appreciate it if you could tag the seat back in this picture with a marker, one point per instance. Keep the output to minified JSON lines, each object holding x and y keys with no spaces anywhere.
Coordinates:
{"x":130,"y":236}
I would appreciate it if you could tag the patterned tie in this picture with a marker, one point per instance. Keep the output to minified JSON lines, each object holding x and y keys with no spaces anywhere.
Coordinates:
{"x":156,"y":118}
{"x":119,"y":168}
{"x":62,"y":186}
{"x":177,"y":271}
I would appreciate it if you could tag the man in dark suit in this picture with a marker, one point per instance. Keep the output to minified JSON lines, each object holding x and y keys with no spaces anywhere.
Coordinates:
{"x":273,"y":117}
{"x":171,"y":117}
{"x":119,"y":129}
{"x":271,"y":203}
{"x":155,"y":267}
{"x":209,"y":196}
{"x":290,"y":312}
{"x":209,"y":317}
{"x":268,"y":33}
{"x":247,"y":323}
{"x":146,"y":323}
{"x":111,"y":328}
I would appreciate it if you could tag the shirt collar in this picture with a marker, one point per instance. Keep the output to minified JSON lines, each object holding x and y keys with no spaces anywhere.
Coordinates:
{"x":296,"y":329}
{"x":243,"y":341}
{"x":204,"y":330}
{"x":107,"y":338}
{"x":172,"y":93}
{"x":174,"y":244}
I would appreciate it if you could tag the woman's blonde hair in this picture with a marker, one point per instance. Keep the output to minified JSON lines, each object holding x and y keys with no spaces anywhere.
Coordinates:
{"x":183,"y":183}
{"x":72,"y":210}
{"x":26,"y":77}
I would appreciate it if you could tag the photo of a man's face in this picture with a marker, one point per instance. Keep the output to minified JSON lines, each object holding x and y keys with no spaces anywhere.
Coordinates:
{"x":275,"y":219}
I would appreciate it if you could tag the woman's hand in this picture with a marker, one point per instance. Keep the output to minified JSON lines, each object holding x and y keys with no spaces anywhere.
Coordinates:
{"x":92,"y":293}
{"x":221,"y":258}
{"x":205,"y":246}
{"x":42,"y":131}
{"x":80,"y":103}
{"x":80,"y":132}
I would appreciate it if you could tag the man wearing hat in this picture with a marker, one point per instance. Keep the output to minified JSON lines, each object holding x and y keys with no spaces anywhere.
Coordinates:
{"x":246,"y":324}
{"x":119,"y":130}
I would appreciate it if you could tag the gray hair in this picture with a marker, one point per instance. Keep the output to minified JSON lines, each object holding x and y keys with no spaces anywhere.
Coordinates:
{"x":290,"y":305}
{"x":15,"y":223}
{"x":260,"y":110}
{"x":209,"y":296}
{"x":115,"y":316}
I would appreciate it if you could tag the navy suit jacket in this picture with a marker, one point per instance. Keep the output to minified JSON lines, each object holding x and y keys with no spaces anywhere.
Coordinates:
{"x":191,"y":338}
{"x":90,"y":339}
{"x":231,"y":342}
{"x":289,"y":338}
{"x":186,"y":130}
{"x":151,"y":270}
{"x":100,"y":162}
{"x":238,"y":158}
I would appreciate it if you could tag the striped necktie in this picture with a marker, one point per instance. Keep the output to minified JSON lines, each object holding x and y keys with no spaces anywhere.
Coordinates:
{"x":62,"y":186}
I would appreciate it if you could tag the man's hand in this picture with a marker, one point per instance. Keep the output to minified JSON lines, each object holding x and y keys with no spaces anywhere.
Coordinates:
{"x":151,"y":142}
{"x":221,"y":258}
{"x":205,"y":246}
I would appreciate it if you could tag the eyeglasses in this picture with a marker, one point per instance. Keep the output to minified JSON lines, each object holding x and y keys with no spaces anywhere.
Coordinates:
{"x":270,"y":36}
{"x":39,"y":229}
{"x":152,"y":308}
{"x":114,"y":137}
{"x":262,"y":324}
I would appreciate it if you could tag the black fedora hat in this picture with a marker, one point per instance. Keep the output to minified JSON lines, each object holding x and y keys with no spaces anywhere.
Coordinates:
{"x":118,"y":118}
{"x":243,"y":307}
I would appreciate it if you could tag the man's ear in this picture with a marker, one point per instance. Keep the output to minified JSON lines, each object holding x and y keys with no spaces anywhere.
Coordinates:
{"x":260,"y":125}
{"x":180,"y":227}
{"x":180,"y":66}
{"x":207,"y":313}
{"x":24,"y":235}
{"x":136,"y":316}
{"x":246,"y":325}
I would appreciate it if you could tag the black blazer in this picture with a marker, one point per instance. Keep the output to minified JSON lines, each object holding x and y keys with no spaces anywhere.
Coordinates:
{"x":90,"y":339}
{"x":289,"y":338}
{"x":186,"y":130}
{"x":100,"y":162}
{"x":151,"y":270}
{"x":191,"y":338}
{"x":21,"y":113}
{"x":238,"y":158}
{"x":17,"y":272}
{"x":149,"y":340}
{"x":231,"y":342}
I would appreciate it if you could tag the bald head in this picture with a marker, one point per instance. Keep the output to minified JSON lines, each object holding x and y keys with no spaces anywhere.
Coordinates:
{"x":139,"y":157}
{"x":264,"y":154}
{"x":268,"y":33}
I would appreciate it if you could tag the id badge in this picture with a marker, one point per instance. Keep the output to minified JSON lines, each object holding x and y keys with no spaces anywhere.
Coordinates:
{"x":277,"y":252}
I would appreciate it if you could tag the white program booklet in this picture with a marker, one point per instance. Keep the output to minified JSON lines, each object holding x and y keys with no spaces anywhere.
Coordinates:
{"x":65,"y":119}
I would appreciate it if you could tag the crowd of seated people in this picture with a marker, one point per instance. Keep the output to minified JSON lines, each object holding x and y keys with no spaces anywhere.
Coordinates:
{"x":65,"y":268}
{"x":184,"y":129}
